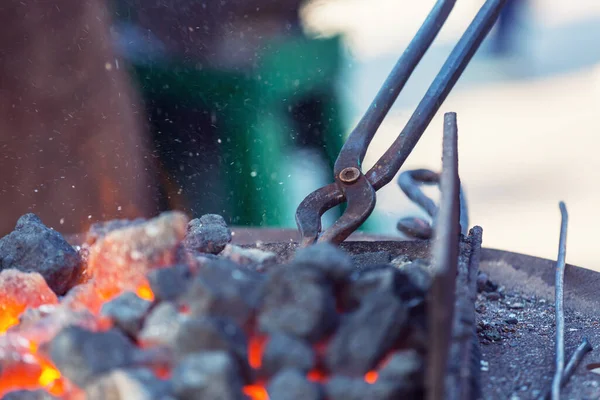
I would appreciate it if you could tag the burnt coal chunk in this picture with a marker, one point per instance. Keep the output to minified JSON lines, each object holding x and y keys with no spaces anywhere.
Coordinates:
{"x":384,"y":278}
{"x":419,"y":274}
{"x":291,"y":384}
{"x":207,"y":375}
{"x":206,"y":333}
{"x":82,"y":356}
{"x":403,"y":373}
{"x":222,"y":289}
{"x":283,"y":351}
{"x":127,"y":312}
{"x":161,"y":325}
{"x":298,"y":302}
{"x":336,"y":264}
{"x":33,"y":247}
{"x":125,"y":384}
{"x":346,"y":388}
{"x":207,"y":234}
{"x":28,"y":395}
{"x":168,"y":284}
{"x":367,"y":335}
{"x":393,"y":390}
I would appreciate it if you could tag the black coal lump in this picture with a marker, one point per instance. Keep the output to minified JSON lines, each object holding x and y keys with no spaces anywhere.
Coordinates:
{"x":335,"y":263}
{"x":382,"y":277}
{"x":298,"y":302}
{"x":223,"y":289}
{"x":367,"y":334}
{"x":209,"y":333}
{"x":33,"y":247}
{"x":403,"y":376}
{"x":82,"y":356}
{"x":207,"y":375}
{"x":28,"y":395}
{"x":207,"y":234}
{"x":291,"y":384}
{"x":168,"y":284}
{"x":407,"y":365}
{"x":340,"y":387}
{"x":127,"y":311}
{"x":419,"y":274}
{"x":283,"y":351}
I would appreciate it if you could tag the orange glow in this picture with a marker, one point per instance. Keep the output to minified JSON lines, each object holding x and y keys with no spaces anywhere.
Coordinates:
{"x":256,"y":347}
{"x":9,"y":316}
{"x":32,"y":372}
{"x":317,"y":376}
{"x":144,"y":291}
{"x":371,"y":377}
{"x":184,"y":309}
{"x":256,"y":392}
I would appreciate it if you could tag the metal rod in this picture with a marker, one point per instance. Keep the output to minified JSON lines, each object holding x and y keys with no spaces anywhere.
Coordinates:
{"x":463,"y":380}
{"x":584,"y":347}
{"x":559,"y":303}
{"x":445,"y":263}
{"x":410,"y":182}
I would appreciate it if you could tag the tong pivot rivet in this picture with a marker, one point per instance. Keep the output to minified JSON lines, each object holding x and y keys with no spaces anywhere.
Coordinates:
{"x":349,"y":175}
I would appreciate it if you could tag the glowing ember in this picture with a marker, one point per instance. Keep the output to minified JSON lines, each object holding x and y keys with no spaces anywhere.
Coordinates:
{"x":19,"y":290}
{"x":256,"y":347}
{"x":144,"y":291}
{"x":256,"y":392}
{"x":317,"y":376}
{"x":119,"y":261}
{"x":371,"y":377}
{"x":25,"y":368}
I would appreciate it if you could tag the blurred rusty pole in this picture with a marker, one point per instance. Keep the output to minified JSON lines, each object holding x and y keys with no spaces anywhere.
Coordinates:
{"x":71,"y":147}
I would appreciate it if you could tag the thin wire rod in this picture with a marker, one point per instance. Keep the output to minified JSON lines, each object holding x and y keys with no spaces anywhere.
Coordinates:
{"x":559,"y":303}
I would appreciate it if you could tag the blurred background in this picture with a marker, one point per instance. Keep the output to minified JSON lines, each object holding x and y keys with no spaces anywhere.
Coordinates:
{"x":124,"y":108}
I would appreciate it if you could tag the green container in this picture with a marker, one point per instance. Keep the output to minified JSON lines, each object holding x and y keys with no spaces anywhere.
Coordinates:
{"x":254,"y":118}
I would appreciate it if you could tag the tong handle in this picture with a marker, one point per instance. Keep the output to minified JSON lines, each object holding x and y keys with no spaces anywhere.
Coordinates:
{"x":354,"y":149}
{"x":389,"y":164}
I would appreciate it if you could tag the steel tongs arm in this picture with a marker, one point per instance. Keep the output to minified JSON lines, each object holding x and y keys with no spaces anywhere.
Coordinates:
{"x":354,"y":149}
{"x":308,"y":215}
{"x":389,"y":164}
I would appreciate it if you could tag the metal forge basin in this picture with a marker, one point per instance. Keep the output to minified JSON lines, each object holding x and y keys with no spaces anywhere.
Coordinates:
{"x":518,"y":355}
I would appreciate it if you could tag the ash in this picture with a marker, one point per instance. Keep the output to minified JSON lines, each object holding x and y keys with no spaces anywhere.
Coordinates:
{"x":517,"y":336}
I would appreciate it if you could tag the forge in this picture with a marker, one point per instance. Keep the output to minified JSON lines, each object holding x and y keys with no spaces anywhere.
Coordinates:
{"x":180,"y":307}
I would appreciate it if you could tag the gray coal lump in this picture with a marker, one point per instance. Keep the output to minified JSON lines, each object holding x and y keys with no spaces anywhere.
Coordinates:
{"x":207,"y":375}
{"x":82,"y":356}
{"x":207,"y":234}
{"x":33,"y":247}
{"x":298,"y":302}
{"x":367,"y":334}
{"x":291,"y":384}
{"x":127,"y":311}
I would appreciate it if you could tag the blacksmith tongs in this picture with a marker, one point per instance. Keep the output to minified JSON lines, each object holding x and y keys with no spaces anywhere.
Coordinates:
{"x":358,"y":189}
